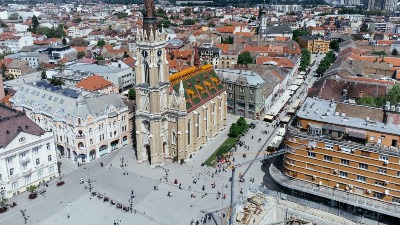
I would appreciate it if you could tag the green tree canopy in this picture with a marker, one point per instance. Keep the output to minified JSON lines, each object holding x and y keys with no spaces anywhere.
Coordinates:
{"x":43,"y":75}
{"x":189,"y":22}
{"x":395,"y":52}
{"x":132,"y":94}
{"x":101,"y":43}
{"x":81,"y":55}
{"x":51,"y":32}
{"x":298,"y":33}
{"x":334,"y":45}
{"x":245,"y":58}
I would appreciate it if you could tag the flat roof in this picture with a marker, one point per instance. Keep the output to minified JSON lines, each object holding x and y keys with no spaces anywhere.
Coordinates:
{"x":93,"y":68}
{"x":325,"y":111}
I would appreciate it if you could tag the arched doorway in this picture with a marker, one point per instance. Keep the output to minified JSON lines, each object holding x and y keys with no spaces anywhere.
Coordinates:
{"x":68,"y":153}
{"x":165,"y":149}
{"x":124,"y":140}
{"x":60,"y":148}
{"x":148,"y":153}
{"x":74,"y":155}
{"x":114,"y":145}
{"x":103,"y":150}
{"x":92,"y":155}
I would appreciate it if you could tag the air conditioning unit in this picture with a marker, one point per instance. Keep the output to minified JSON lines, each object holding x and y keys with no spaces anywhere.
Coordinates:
{"x":320,"y":182}
{"x":350,"y":186}
{"x":347,"y":188}
{"x":385,"y":183}
{"x":335,"y":171}
{"x":386,"y":162}
{"x":386,"y":192}
{"x":337,"y":185}
{"x":353,"y":150}
{"x":368,"y":191}
{"x":314,"y":177}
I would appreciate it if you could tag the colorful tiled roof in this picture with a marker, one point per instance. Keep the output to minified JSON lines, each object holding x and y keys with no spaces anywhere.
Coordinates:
{"x":201,"y":84}
{"x":93,"y":83}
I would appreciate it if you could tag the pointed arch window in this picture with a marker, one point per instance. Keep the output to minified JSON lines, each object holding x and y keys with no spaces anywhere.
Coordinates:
{"x":146,"y":73}
{"x":189,"y":131}
{"x":160,"y":71}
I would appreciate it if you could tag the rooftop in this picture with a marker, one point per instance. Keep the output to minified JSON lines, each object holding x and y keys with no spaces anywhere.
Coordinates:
{"x":247,"y":76}
{"x":96,"y":69}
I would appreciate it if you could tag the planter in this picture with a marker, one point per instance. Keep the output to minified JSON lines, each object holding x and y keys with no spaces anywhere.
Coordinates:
{"x":3,"y":209}
{"x":32,"y":195}
{"x":60,"y":183}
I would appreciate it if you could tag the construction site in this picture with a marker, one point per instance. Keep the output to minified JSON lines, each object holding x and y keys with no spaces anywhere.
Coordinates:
{"x":263,"y":209}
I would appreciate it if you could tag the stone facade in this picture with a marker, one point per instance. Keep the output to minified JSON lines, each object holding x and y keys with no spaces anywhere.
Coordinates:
{"x":175,"y":115}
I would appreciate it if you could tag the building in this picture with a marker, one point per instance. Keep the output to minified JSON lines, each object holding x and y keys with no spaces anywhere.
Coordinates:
{"x":245,"y":92}
{"x":2,"y":93}
{"x":209,"y":55}
{"x":15,"y":42}
{"x":97,"y":84}
{"x":271,"y":32}
{"x":28,"y":155}
{"x":76,"y":31}
{"x":85,"y":127}
{"x":122,"y":77}
{"x":34,"y":59}
{"x":175,"y":115}
{"x":347,"y":149}
{"x":315,"y":44}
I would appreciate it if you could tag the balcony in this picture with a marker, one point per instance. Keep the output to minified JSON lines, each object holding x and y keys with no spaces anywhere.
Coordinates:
{"x":375,"y":205}
{"x":24,"y":160}
{"x":343,"y":140}
{"x":80,"y":136}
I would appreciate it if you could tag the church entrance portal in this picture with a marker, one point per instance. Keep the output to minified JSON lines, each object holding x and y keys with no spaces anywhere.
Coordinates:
{"x":148,"y":153}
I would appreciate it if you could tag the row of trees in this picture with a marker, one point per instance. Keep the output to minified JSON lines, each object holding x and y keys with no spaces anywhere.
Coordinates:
{"x":238,"y":128}
{"x":326,"y":62}
{"x":393,"y":96}
{"x":334,"y":45}
{"x":305,"y":59}
{"x":245,"y":58}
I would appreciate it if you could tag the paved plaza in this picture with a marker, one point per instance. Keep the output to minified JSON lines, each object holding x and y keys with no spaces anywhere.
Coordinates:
{"x":74,"y":204}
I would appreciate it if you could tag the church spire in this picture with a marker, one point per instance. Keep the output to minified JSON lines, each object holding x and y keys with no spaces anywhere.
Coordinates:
{"x":150,"y":22}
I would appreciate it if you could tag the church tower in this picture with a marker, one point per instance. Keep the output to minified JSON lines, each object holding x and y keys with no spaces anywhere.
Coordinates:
{"x":152,"y":86}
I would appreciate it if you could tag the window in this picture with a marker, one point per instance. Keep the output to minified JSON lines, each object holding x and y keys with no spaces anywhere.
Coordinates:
{"x":365,"y":153}
{"x":27,"y":180}
{"x":311,"y":154}
{"x":230,"y":87}
{"x":49,"y":158}
{"x":396,"y":200}
{"x":230,"y":95}
{"x":241,"y":89}
{"x":361,"y":178}
{"x":51,"y":169}
{"x":328,"y":158}
{"x":241,"y":97}
{"x":198,"y":125}
{"x":378,"y":195}
{"x":251,"y":91}
{"x":189,"y":131}
{"x":37,"y":161}
{"x":11,"y":171}
{"x":383,"y":158}
{"x":251,"y":99}
{"x":380,"y":183}
{"x":372,"y":138}
{"x":363,"y":166}
{"x":381,"y":170}
{"x":48,"y":146}
{"x":40,"y":174}
{"x":14,"y":185}
{"x":329,"y":146}
{"x":173,"y":138}
{"x":343,"y":174}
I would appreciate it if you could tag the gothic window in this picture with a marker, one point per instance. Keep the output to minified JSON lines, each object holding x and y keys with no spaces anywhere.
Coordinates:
{"x":206,"y":119}
{"x":214,"y":114}
{"x":160,"y":71}
{"x":220,"y":109}
{"x":188,"y":131}
{"x":198,"y":125}
{"x":173,"y":141}
{"x":79,"y":121}
{"x":146,"y":73}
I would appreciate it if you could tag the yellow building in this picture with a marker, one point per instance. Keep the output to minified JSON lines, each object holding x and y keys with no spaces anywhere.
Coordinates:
{"x":350,"y":150}
{"x":315,"y":44}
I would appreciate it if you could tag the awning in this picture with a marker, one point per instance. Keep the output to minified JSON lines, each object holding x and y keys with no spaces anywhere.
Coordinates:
{"x":356,"y":133}
{"x":334,"y":128}
{"x":276,"y":141}
{"x":293,"y":87}
{"x":285,"y":119}
{"x":298,"y":82}
{"x":268,"y":117}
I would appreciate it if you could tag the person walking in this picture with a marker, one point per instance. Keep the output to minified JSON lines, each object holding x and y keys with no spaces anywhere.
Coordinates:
{"x":69,"y":203}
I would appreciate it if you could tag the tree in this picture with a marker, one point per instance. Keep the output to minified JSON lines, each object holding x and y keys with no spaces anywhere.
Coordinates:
{"x":334,"y":45}
{"x":64,"y":41}
{"x":101,"y":43}
{"x":51,"y":32}
{"x":358,"y":36}
{"x":77,"y":20}
{"x":186,"y":12}
{"x":131,"y":94}
{"x":4,"y":71}
{"x":81,"y":55}
{"x":79,"y":42}
{"x":43,"y":75}
{"x":189,"y":22}
{"x":395,"y":52}
{"x":298,"y":33}
{"x":228,"y":40}
{"x":367,"y":100}
{"x":241,"y":122}
{"x":32,"y":188}
{"x":35,"y":23}
{"x":56,"y":81}
{"x":3,"y":202}
{"x":234,"y":130}
{"x":245,"y":58}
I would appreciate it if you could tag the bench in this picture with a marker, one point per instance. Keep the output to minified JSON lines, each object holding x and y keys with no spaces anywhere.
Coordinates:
{"x":42,"y":191}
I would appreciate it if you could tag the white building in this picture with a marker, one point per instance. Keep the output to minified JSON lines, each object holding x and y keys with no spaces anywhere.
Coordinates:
{"x":27,"y":153}
{"x":34,"y":59}
{"x":19,"y":27}
{"x":76,"y":31}
{"x":85,"y":128}
{"x":15,"y":43}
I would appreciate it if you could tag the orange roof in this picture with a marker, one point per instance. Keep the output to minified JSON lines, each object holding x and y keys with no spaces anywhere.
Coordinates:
{"x":245,"y":34}
{"x":130,"y":62}
{"x":370,"y":80}
{"x":316,"y":28}
{"x":284,"y":62}
{"x":79,"y":49}
{"x":226,"y":29}
{"x":93,"y":83}
{"x":385,"y":42}
{"x":223,"y":47}
{"x":391,"y":60}
{"x":280,"y":38}
{"x":256,"y":48}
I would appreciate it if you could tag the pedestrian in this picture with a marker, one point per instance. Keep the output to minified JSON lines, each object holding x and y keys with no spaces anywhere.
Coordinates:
{"x":69,"y":203}
{"x":252,"y":136}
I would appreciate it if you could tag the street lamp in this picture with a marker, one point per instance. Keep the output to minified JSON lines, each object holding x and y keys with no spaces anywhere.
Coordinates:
{"x":131,"y":201}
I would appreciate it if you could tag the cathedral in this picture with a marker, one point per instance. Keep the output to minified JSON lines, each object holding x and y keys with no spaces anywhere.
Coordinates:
{"x":175,"y":114}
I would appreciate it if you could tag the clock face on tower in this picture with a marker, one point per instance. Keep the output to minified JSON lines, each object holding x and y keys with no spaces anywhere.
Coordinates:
{"x":159,"y":52}
{"x":145,"y":53}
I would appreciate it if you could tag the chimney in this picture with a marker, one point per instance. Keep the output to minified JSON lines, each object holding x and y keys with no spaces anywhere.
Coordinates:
{"x":2,"y":94}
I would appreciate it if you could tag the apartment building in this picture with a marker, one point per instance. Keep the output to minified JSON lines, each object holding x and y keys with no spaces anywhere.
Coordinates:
{"x":27,"y":153}
{"x":85,"y":127}
{"x":315,"y":44}
{"x":245,"y":92}
{"x":350,"y":150}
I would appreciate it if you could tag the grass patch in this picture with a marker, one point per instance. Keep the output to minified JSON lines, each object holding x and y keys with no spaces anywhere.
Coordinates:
{"x":224,"y":148}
